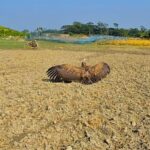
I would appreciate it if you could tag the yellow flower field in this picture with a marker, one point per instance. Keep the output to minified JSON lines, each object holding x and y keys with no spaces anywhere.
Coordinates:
{"x":134,"y":42}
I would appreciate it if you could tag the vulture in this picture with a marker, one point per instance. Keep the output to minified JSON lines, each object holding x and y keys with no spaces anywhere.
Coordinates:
{"x":33,"y":44}
{"x":84,"y":74}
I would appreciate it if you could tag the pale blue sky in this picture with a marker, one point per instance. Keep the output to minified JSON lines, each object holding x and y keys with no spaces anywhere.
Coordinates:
{"x":29,"y":14}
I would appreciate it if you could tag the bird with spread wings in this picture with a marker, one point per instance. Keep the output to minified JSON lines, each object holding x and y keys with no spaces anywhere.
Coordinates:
{"x":84,"y":74}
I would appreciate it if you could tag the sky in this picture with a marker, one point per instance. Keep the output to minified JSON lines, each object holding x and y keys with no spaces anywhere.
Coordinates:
{"x":52,"y":14}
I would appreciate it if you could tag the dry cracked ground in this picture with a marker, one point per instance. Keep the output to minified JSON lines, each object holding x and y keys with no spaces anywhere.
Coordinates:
{"x":113,"y":114}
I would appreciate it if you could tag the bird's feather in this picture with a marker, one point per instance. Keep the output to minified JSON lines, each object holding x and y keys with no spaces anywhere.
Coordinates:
{"x":99,"y":71}
{"x":65,"y":72}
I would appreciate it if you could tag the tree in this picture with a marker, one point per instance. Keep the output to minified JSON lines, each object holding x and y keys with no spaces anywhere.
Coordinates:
{"x":90,"y":27}
{"x":26,"y":31}
{"x":134,"y":32}
{"x":76,"y":23}
{"x":143,"y":29}
{"x":40,"y":30}
{"x":116,"y":25}
{"x":103,"y":27}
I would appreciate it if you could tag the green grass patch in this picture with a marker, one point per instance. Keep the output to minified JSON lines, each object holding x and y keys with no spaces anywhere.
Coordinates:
{"x":47,"y":45}
{"x":12,"y":44}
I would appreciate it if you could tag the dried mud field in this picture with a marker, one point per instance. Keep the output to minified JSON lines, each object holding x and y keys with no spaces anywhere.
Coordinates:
{"x":113,"y":114}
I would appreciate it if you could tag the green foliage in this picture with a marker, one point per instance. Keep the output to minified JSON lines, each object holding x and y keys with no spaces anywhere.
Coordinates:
{"x":12,"y":44}
{"x":103,"y":29}
{"x":6,"y":32}
{"x":116,"y":25}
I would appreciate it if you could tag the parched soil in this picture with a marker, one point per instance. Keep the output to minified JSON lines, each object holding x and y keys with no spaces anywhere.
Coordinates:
{"x":38,"y":115}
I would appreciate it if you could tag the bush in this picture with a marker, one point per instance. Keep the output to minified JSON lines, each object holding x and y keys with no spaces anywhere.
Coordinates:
{"x":6,"y":32}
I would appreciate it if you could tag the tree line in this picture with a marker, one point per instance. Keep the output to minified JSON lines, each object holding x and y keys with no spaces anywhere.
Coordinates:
{"x":81,"y":28}
{"x":103,"y":29}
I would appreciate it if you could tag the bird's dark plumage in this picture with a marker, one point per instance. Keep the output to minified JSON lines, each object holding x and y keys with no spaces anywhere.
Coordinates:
{"x":84,"y":74}
{"x":33,"y":44}
{"x":99,"y":71}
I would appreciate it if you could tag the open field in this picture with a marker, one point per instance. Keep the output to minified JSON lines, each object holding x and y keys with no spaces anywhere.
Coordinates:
{"x":38,"y":115}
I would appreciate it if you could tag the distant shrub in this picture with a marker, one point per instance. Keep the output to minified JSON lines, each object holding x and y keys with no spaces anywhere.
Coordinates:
{"x":70,"y":33}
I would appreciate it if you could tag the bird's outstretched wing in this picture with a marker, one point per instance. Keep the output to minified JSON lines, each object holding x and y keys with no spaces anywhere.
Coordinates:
{"x":99,"y":71}
{"x":65,"y":72}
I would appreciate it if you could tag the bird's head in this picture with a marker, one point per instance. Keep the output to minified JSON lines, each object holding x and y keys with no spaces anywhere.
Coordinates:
{"x":86,"y":78}
{"x":83,"y":64}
